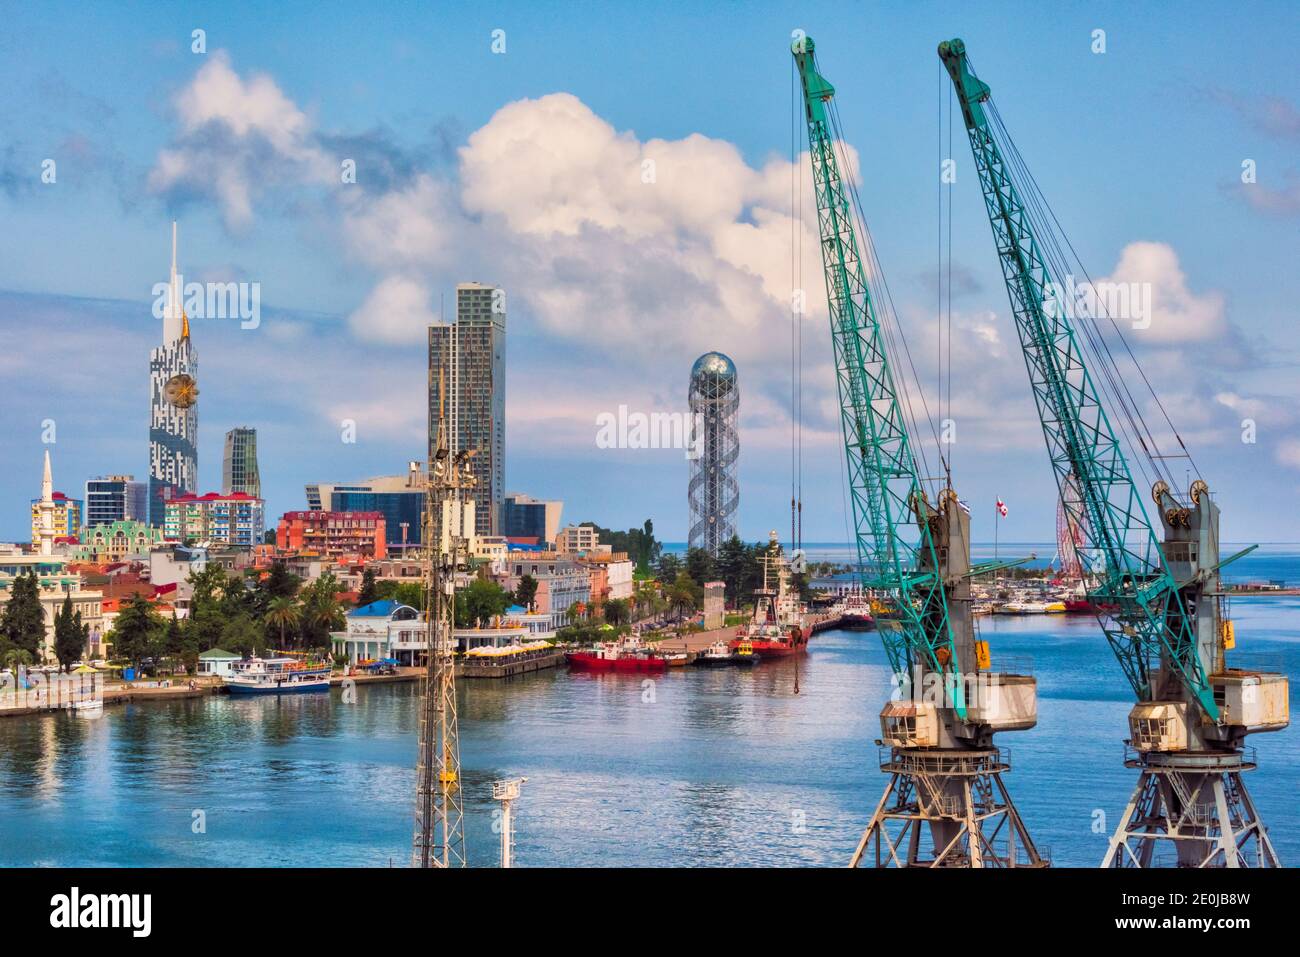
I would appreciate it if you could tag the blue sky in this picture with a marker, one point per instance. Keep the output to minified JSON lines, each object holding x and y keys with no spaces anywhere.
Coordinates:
{"x":521,"y":168}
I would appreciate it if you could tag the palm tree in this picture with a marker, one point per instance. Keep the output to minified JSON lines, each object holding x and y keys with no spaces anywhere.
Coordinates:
{"x":282,"y":613}
{"x":13,"y":659}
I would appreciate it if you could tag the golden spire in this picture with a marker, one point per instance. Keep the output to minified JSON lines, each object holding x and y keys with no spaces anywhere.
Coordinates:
{"x":185,"y":325}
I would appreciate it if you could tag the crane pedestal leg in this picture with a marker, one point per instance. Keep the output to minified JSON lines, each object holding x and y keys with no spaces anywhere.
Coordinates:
{"x":958,"y":796}
{"x":1191,"y":809}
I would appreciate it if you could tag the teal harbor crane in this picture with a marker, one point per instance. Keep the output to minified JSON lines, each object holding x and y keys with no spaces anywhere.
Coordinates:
{"x":1159,"y":599}
{"x":945,"y":773}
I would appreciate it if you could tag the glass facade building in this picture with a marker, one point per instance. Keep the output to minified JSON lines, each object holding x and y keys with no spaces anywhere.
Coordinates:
{"x":239,"y":463}
{"x":467,"y":359}
{"x":115,"y":498}
{"x":398,"y":498}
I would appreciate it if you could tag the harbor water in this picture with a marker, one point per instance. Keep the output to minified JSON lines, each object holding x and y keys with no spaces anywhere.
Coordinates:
{"x":698,"y":767}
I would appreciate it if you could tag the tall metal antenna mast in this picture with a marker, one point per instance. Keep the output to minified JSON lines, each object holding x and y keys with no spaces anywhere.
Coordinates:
{"x":439,"y":833}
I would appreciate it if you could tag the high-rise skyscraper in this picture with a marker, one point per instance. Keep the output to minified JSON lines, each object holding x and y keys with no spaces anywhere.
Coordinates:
{"x":173,"y":418}
{"x":239,"y":464}
{"x":468,"y":358}
{"x":713,"y":492}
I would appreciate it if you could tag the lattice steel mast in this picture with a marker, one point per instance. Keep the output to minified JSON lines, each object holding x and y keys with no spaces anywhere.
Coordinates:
{"x":439,"y":839}
{"x":945,"y":772}
{"x":1160,"y":603}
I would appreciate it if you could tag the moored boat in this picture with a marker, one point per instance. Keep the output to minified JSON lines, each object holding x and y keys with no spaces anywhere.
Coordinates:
{"x":721,"y":654}
{"x":778,"y":627}
{"x":855,"y":613}
{"x":628,"y":656}
{"x":277,"y":676}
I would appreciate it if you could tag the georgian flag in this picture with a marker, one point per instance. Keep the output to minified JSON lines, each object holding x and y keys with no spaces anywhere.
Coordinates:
{"x":1002,"y":508}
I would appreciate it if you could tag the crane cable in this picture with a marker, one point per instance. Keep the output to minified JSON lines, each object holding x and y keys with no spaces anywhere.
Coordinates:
{"x":1138,"y":434}
{"x":895,"y":343}
{"x":798,"y":305}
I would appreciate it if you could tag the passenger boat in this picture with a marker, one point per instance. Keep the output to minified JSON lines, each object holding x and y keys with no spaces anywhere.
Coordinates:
{"x":278,"y":676}
{"x":626,"y":656}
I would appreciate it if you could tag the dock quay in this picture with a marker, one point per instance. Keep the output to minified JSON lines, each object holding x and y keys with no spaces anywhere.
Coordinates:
{"x":73,"y":691}
{"x":509,"y":666}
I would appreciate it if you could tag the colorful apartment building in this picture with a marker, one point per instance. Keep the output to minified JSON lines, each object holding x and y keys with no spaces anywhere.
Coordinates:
{"x":333,"y":534}
{"x":237,"y":519}
{"x":67,"y":517}
{"x":113,"y":541}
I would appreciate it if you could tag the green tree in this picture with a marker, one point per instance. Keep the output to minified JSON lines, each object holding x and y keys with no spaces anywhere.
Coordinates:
{"x":138,"y":631}
{"x":15,"y":658}
{"x":207,"y":607}
{"x":69,"y":635}
{"x":174,"y":639}
{"x":638,"y":543}
{"x":23,"y":623}
{"x":668,"y":567}
{"x":321,"y":611}
{"x":733,"y":568}
{"x":483,"y":599}
{"x":699,"y":565}
{"x":409,"y":593}
{"x":242,"y":636}
{"x":617,"y":611}
{"x":685,"y":595}
{"x":368,"y":592}
{"x":526,"y":591}
{"x":283,"y":616}
{"x":280,"y":582}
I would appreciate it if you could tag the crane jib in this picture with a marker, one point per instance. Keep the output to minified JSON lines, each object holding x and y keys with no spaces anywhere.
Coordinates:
{"x":1147,"y":617}
{"x":890,"y":518}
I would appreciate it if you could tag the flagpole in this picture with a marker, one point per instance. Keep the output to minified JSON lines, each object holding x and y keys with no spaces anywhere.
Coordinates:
{"x":997,"y":516}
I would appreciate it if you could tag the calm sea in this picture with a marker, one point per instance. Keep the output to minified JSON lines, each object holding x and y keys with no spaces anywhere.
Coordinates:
{"x":704,"y":767}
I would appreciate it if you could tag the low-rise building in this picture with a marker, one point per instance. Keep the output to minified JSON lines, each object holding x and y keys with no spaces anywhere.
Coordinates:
{"x":175,"y":563}
{"x":218,"y":662}
{"x":333,"y":535}
{"x":561,"y":582}
{"x":67,"y":514}
{"x":579,"y":539}
{"x":237,"y":519}
{"x":55,"y":582}
{"x":114,"y":541}
{"x":382,"y":629}
{"x":523,"y":516}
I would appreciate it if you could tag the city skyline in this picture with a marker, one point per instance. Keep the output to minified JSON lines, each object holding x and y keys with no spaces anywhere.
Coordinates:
{"x":437,"y":202}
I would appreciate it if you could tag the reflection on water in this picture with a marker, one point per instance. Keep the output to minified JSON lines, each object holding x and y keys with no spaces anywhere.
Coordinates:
{"x":711,"y":767}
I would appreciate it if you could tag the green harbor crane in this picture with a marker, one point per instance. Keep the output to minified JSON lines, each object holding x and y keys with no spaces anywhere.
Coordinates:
{"x":1159,"y":600}
{"x":937,"y":731}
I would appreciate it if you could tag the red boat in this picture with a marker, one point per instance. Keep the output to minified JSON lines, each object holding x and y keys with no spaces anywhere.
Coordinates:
{"x":624,"y":657}
{"x":776,"y":645}
{"x":1082,"y":606}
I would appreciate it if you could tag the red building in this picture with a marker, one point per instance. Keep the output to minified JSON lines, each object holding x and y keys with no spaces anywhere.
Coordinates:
{"x":333,"y":534}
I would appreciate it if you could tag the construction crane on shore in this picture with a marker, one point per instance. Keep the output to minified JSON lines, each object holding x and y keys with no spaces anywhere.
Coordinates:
{"x":945,"y":772}
{"x":1160,"y":602}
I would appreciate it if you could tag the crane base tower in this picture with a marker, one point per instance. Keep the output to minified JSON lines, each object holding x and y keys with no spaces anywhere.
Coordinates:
{"x":959,"y":795}
{"x":1197,"y":804}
